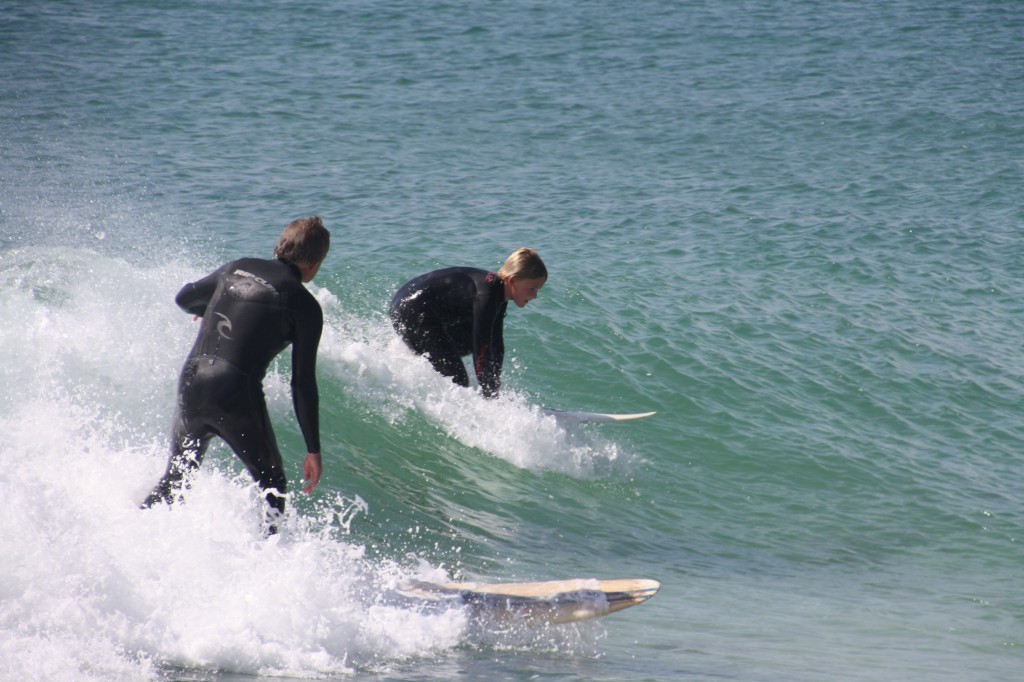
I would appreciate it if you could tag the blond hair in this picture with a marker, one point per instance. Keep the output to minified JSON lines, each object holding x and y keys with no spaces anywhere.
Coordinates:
{"x":304,"y":241}
{"x":524,"y":263}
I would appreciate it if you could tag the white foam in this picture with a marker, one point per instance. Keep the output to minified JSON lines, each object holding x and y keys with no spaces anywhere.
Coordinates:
{"x":96,"y":589}
{"x":366,"y":355}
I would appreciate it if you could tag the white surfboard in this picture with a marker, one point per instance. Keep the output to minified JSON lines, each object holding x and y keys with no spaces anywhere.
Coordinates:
{"x":592,"y":417}
{"x":554,"y":601}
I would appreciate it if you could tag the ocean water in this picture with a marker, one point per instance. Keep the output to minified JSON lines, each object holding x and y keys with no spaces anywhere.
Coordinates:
{"x":794,"y":229}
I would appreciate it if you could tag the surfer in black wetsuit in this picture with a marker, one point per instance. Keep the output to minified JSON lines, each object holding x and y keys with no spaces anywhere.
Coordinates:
{"x":251,"y":310}
{"x":450,"y":313}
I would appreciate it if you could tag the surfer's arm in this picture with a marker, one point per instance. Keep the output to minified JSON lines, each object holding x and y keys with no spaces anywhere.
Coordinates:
{"x":305,"y":393}
{"x":195,"y":296}
{"x":488,"y":349}
{"x":489,"y":375}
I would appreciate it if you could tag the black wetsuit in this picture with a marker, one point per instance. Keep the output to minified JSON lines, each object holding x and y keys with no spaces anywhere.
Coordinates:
{"x":449,"y":313}
{"x":252,"y":309}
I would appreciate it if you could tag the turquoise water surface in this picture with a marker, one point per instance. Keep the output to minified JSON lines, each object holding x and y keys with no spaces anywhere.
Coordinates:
{"x":792,"y":229}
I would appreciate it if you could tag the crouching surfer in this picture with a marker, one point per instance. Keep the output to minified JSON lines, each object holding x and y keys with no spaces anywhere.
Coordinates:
{"x":450,"y":313}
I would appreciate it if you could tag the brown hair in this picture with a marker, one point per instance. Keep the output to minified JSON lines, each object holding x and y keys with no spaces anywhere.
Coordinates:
{"x":305,"y":241}
{"x":524,"y":263}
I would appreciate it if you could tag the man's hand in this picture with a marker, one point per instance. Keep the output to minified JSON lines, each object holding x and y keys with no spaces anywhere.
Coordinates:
{"x":311,"y":469}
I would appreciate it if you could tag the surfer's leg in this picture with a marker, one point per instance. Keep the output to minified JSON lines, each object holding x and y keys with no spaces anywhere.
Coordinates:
{"x":425,"y":337}
{"x":249,"y":433}
{"x":187,"y":449}
{"x":448,"y":363}
{"x":434,"y":343}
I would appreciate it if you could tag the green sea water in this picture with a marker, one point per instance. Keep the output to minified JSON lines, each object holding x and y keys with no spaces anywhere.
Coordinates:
{"x":792,"y":229}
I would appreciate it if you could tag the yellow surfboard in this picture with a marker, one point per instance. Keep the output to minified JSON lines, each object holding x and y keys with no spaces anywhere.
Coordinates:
{"x":554,"y":601}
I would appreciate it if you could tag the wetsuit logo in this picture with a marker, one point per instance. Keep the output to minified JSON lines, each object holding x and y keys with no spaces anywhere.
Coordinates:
{"x":258,"y":280}
{"x":224,"y":326}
